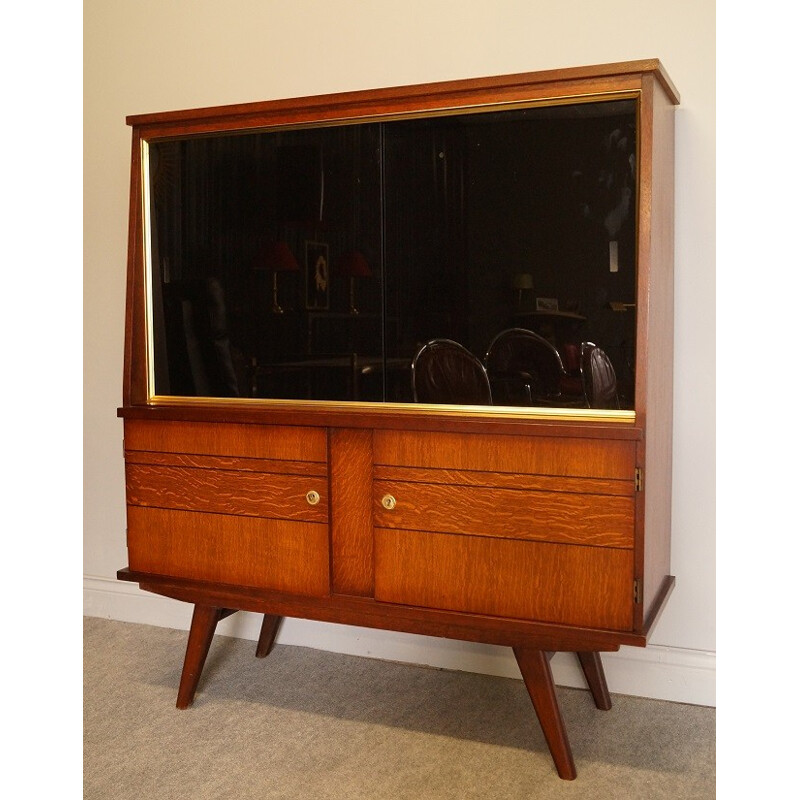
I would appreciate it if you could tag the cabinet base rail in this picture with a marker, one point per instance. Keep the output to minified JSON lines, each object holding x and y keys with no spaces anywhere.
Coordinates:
{"x":534,"y":664}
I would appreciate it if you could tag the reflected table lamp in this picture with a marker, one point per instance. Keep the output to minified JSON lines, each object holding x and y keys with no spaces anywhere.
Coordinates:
{"x":523,"y":282}
{"x":352,"y":264}
{"x":278,"y":258}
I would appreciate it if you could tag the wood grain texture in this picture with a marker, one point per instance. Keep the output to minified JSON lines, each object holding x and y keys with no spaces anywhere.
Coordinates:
{"x":483,"y":511}
{"x":380,"y":416}
{"x":361,"y":105}
{"x":578,"y":472}
{"x":228,"y":439}
{"x":508,"y":480}
{"x":367,"y":612}
{"x":657,"y":416}
{"x":589,"y":586}
{"x":570,"y":82}
{"x":134,"y":380}
{"x":282,"y":466}
{"x":513,"y":454}
{"x":217,"y":491}
{"x":285,"y":556}
{"x":351,"y":511}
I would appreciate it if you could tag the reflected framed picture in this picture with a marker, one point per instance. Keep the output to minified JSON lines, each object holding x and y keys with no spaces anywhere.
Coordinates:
{"x":546,"y":304}
{"x":318,"y":284}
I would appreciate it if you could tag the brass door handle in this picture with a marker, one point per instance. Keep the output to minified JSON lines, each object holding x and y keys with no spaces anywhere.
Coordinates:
{"x":388,"y":502}
{"x":312,"y":497}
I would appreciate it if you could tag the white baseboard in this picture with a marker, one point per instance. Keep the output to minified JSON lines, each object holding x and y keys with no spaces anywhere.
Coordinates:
{"x":658,"y":672}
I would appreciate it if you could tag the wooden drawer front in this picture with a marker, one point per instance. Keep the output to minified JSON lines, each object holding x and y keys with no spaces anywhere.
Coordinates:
{"x":289,"y":557}
{"x":565,"y":517}
{"x":572,"y":585}
{"x":227,"y":439}
{"x":221,"y":491}
{"x":540,"y":455}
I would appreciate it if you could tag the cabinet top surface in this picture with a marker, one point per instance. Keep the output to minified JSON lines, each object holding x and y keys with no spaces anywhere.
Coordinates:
{"x":355,"y":98}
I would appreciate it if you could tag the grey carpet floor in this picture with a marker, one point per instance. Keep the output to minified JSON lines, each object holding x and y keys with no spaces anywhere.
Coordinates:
{"x":309,"y":724}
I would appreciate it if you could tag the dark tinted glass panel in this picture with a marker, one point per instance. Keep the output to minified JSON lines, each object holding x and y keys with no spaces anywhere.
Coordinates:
{"x":263,"y":248}
{"x":515,"y":219}
{"x":315,"y":264}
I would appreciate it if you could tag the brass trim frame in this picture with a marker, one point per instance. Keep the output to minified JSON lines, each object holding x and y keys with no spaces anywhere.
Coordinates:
{"x":439,"y":409}
{"x":526,"y":413}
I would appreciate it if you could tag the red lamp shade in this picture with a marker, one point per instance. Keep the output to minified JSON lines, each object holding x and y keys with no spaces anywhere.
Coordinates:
{"x":352,"y":265}
{"x":277,"y":257}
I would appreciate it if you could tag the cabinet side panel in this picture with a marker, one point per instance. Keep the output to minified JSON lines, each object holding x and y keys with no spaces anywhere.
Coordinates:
{"x":660,"y":350}
{"x":351,"y":511}
{"x":134,"y":387}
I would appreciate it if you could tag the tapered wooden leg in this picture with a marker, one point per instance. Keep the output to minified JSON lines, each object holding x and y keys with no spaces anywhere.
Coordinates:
{"x":201,"y":632}
{"x":596,"y":678}
{"x":266,"y":639}
{"x":535,"y":668}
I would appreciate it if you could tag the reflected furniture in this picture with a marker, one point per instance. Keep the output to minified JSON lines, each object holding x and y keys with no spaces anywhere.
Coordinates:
{"x":329,"y":494}
{"x":524,"y":368}
{"x":444,"y":371}
{"x":598,"y":376}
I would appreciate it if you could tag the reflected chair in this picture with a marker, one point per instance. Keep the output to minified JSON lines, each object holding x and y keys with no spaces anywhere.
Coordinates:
{"x":199,"y":354}
{"x":598,"y":376}
{"x":525,"y":369}
{"x":444,"y":371}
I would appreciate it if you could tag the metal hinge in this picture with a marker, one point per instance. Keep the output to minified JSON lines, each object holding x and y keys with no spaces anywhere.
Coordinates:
{"x":637,"y":591}
{"x":638,"y":479}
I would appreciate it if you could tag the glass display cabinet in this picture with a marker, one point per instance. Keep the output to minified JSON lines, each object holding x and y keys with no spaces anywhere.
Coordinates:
{"x":402,"y":358}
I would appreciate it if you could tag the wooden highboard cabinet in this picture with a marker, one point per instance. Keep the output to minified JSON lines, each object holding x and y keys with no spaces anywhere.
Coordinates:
{"x":544,"y":528}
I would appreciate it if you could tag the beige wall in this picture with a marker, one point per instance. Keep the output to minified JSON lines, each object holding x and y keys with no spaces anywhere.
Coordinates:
{"x":149,"y":55}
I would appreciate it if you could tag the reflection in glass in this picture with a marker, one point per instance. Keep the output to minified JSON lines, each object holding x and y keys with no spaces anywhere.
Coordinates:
{"x":315,"y":263}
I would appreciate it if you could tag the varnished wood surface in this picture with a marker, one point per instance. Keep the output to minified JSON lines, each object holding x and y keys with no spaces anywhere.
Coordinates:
{"x":264,"y":553}
{"x":266,"y":637}
{"x":566,"y":81}
{"x":218,"y":491}
{"x":539,"y":455}
{"x":201,"y":632}
{"x":505,"y":480}
{"x":228,"y":439}
{"x":568,"y":518}
{"x":494,"y":510}
{"x":351,"y":511}
{"x":377,"y":416}
{"x":282,"y":466}
{"x":134,"y":389}
{"x":595,"y":675}
{"x":585,"y":586}
{"x":367,"y":612}
{"x":658,"y":390}
{"x":535,"y":668}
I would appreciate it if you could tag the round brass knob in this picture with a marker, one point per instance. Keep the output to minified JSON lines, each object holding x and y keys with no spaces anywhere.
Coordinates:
{"x":312,"y":497}
{"x":388,"y":502}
